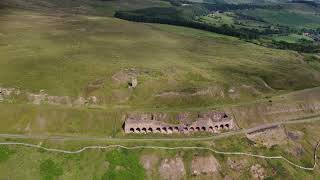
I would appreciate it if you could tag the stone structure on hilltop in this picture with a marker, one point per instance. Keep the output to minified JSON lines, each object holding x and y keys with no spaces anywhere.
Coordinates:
{"x":213,"y":122}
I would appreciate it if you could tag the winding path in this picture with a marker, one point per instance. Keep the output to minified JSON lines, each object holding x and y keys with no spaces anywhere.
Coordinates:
{"x":110,"y":139}
{"x":106,"y":139}
{"x":171,"y":148}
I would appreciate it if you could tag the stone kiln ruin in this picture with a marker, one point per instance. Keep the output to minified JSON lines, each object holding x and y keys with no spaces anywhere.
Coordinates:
{"x":213,"y":122}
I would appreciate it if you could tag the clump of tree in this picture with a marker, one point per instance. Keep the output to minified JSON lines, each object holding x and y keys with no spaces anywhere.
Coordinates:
{"x":302,"y":46}
{"x":174,"y":16}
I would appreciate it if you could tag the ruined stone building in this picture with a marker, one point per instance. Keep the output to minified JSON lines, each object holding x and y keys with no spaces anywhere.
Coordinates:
{"x":213,"y":122}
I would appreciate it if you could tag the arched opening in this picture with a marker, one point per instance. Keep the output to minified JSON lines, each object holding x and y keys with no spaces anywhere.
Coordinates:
{"x":138,"y":130}
{"x":158,"y":129}
{"x":176,"y":128}
{"x":185,"y":129}
{"x":211,"y":128}
{"x":144,"y":130}
{"x":164,"y":129}
{"x":203,"y":128}
{"x":221,"y":126}
{"x":170,"y":128}
{"x":191,"y":129}
{"x":150,"y":129}
{"x":227,"y":126}
{"x":216,"y":127}
{"x":132,"y":130}
{"x":198,"y":128}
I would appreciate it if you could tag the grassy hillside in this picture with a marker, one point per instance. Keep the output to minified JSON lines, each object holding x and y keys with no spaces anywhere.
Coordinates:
{"x":93,"y":7}
{"x":120,"y":164}
{"x":64,"y":54}
{"x":76,"y":48}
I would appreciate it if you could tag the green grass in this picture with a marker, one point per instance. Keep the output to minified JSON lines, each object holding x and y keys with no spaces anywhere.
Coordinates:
{"x":292,"y":38}
{"x":49,"y":170}
{"x":286,"y":17}
{"x":217,"y":19}
{"x":123,"y":165}
{"x":4,"y":153}
{"x":63,"y":55}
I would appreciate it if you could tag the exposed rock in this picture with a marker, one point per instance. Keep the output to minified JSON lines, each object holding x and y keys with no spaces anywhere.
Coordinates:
{"x":214,"y":91}
{"x":6,"y":93}
{"x":133,"y":83}
{"x":171,"y":94}
{"x":233,"y":93}
{"x":257,"y":171}
{"x":93,"y":100}
{"x":148,"y":162}
{"x":58,"y":100}
{"x":172,"y":169}
{"x":36,"y":99}
{"x":127,"y":76}
{"x":236,"y":164}
{"x":81,"y":101}
{"x":43,"y":98}
{"x":204,"y":165}
{"x":268,"y":137}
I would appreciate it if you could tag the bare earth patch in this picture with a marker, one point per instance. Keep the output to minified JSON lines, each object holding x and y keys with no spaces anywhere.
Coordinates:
{"x":237,"y":164}
{"x":204,"y":165}
{"x":269,"y":137}
{"x":148,"y":162}
{"x":257,"y":171}
{"x":172,"y":169}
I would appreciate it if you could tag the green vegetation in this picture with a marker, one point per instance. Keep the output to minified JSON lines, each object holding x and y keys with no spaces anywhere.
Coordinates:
{"x":77,"y":48}
{"x":4,"y":153}
{"x":123,"y":165}
{"x":287,"y":17}
{"x":293,"y":38}
{"x":217,"y":19}
{"x":49,"y":170}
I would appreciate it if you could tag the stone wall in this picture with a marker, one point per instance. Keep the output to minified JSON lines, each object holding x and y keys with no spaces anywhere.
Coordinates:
{"x":212,"y":124}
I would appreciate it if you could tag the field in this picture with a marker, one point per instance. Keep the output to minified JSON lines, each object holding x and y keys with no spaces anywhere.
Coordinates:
{"x":217,"y":19}
{"x":292,"y":38}
{"x":79,"y":50}
{"x":62,"y":55}
{"x":287,"y":17}
{"x":125,"y":164}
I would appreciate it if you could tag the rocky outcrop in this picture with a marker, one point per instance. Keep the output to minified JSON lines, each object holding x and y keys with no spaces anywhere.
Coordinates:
{"x":237,"y":164}
{"x":204,"y":165}
{"x":44,"y":98}
{"x":258,"y":172}
{"x":126,"y":76}
{"x":268,"y":136}
{"x":6,"y":94}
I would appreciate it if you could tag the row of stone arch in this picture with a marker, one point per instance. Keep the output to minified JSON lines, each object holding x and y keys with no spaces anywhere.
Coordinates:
{"x":177,"y":129}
